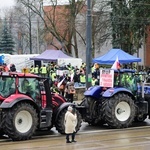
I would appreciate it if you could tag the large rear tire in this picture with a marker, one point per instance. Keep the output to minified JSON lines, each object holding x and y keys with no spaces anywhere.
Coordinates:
{"x":59,"y":124}
{"x":92,"y":114}
{"x":1,"y":133}
{"x":20,"y":122}
{"x":119,"y":111}
{"x":140,"y":118}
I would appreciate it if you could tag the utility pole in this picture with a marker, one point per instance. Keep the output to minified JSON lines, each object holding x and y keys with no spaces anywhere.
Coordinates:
{"x":38,"y":47}
{"x":30,"y":29}
{"x":88,"y":45}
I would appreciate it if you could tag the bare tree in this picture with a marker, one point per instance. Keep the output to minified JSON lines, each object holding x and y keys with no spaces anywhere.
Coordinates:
{"x":101,"y":24}
{"x":59,"y":23}
{"x":27,"y":30}
{"x":62,"y":23}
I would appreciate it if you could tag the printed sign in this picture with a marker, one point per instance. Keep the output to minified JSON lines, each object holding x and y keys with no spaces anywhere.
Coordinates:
{"x":106,"y":78}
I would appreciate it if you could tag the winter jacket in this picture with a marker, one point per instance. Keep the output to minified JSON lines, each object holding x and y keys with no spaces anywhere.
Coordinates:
{"x":70,"y":88}
{"x":70,"y":122}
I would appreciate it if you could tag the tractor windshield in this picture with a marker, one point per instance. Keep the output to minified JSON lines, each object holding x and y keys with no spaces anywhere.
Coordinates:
{"x":29,"y":86}
{"x":127,"y":80}
{"x":7,"y":86}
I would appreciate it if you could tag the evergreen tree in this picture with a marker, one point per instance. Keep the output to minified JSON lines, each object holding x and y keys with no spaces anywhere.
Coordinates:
{"x":140,"y":15}
{"x":129,"y":18}
{"x":6,"y":40}
{"x":121,"y":25}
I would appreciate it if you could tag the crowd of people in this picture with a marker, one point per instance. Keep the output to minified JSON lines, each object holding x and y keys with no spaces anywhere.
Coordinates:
{"x":7,"y":68}
{"x":69,"y":76}
{"x":72,"y":77}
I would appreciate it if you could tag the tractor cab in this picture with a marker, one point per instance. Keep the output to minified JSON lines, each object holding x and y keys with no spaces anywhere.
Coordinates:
{"x":22,"y":85}
{"x":7,"y":86}
{"x":126,"y":78}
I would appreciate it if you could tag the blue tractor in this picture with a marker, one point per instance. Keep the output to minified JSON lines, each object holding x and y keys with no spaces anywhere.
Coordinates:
{"x":118,"y":106}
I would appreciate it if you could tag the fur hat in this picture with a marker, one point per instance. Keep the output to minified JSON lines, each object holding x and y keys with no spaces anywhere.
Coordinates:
{"x":70,"y":108}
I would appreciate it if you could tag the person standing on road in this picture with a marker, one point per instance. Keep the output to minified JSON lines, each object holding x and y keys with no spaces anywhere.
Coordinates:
{"x":70,"y":124}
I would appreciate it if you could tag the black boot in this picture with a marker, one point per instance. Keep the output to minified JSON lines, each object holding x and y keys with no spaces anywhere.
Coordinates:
{"x":67,"y":138}
{"x":68,"y":142}
{"x":73,"y":137}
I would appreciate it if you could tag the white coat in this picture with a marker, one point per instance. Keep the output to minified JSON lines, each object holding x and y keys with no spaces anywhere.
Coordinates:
{"x":70,"y":122}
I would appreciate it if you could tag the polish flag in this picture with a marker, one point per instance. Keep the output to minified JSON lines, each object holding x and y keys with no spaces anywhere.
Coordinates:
{"x":116,"y":64}
{"x":60,"y":83}
{"x":71,"y":77}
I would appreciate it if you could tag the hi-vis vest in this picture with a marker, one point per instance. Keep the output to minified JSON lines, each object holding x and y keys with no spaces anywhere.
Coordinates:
{"x":92,"y":69}
{"x":43,"y":70}
{"x":82,"y":79}
{"x":53,"y":75}
{"x":32,"y":70}
{"x":36,"y":70}
{"x":93,"y":82}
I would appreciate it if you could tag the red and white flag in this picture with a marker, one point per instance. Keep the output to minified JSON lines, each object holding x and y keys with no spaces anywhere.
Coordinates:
{"x":116,"y":64}
{"x":71,"y":77}
{"x":60,"y":83}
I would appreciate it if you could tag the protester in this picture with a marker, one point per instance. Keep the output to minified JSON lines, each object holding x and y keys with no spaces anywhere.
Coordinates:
{"x":61,"y":84}
{"x":70,"y":124}
{"x":5,"y":67}
{"x":94,"y":81}
{"x":13,"y":68}
{"x":43,"y":71}
{"x":148,"y":71}
{"x":70,"y":91}
{"x":82,"y":79}
{"x":76,"y":78}
{"x":32,"y":69}
{"x":37,"y":70}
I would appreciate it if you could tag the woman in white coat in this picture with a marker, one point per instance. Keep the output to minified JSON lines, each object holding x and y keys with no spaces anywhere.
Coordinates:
{"x":70,"y":124}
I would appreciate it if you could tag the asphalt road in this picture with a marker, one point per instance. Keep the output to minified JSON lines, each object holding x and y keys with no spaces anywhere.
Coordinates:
{"x":136,"y":137}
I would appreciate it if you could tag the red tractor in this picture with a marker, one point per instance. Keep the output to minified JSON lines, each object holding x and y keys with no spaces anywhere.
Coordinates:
{"x":27,"y":105}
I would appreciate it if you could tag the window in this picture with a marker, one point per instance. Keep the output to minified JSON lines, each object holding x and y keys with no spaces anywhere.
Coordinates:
{"x":29,"y":86}
{"x":7,"y":86}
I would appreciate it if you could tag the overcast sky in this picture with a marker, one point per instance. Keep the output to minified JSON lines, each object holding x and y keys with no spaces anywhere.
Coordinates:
{"x":9,"y":3}
{"x":59,"y":2}
{"x":6,"y":3}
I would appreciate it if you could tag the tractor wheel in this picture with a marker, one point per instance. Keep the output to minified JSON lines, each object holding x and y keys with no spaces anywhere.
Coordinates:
{"x":119,"y":111}
{"x":1,"y":133}
{"x":20,"y":122}
{"x":93,"y":113}
{"x":140,"y":118}
{"x":59,"y":124}
{"x":99,"y":123}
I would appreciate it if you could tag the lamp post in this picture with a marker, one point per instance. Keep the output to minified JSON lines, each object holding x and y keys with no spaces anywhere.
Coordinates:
{"x":88,"y":45}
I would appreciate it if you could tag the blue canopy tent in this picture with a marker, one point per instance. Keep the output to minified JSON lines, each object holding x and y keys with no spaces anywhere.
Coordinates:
{"x":111,"y":56}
